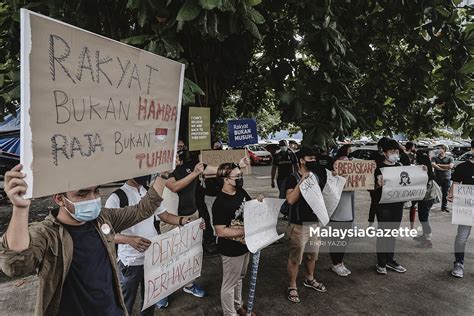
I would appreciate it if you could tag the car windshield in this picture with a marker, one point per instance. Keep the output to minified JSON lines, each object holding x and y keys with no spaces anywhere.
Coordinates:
{"x":255,"y":148}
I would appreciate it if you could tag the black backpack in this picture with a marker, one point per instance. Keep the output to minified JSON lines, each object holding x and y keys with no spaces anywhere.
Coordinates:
{"x":286,"y":207}
{"x":123,"y":197}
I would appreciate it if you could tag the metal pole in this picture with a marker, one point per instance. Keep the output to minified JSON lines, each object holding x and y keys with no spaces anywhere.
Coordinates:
{"x":253,"y":282}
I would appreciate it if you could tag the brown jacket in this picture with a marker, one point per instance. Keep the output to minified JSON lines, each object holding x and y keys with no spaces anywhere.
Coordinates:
{"x":50,"y":252}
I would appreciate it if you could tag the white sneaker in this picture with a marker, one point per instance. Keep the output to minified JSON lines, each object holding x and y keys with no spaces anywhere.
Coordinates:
{"x":345,"y":268}
{"x":340,"y":270}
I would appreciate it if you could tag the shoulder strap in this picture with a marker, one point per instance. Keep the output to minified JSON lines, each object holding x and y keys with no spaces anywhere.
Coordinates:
{"x":122,"y":197}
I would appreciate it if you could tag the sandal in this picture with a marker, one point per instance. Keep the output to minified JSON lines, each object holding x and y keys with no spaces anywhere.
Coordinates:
{"x":313,"y":284}
{"x":294,"y":298}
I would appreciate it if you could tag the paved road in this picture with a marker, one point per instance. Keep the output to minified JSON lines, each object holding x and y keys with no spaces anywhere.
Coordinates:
{"x":426,"y":288}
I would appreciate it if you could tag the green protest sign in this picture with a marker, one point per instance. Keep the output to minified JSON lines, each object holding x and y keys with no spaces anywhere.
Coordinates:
{"x":199,"y":128}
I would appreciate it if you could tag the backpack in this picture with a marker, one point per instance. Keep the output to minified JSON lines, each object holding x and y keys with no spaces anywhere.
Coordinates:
{"x":123,"y":197}
{"x":286,"y":208}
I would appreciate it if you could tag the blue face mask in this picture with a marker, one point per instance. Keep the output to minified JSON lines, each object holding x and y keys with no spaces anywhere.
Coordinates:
{"x":85,"y":211}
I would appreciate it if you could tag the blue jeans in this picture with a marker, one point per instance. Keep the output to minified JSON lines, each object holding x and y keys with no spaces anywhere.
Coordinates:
{"x":131,"y":278}
{"x":460,"y":242}
{"x":444,"y":184}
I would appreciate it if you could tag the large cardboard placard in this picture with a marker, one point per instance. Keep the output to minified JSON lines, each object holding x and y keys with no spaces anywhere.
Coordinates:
{"x":173,"y":260}
{"x":402,"y":184}
{"x":311,"y":192}
{"x":463,"y":204}
{"x":216,"y":157}
{"x":359,"y":174}
{"x":199,"y":123}
{"x":332,"y":191}
{"x":94,"y":110}
{"x":260,"y":222}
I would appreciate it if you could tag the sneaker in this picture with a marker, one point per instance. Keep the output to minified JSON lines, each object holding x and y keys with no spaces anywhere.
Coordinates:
{"x":419,"y":238}
{"x":396,"y":267}
{"x":445,"y":210}
{"x":340,"y":270}
{"x":162,"y":304}
{"x":345,"y":268}
{"x":195,"y":290}
{"x":381,"y":270}
{"x":425,"y":244}
{"x":458,"y":270}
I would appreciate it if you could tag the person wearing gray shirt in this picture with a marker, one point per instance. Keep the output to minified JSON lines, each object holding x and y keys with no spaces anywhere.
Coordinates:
{"x":442,"y":165}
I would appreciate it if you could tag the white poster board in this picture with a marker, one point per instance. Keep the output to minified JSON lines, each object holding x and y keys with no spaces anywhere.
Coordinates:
{"x":332,"y":191}
{"x":173,"y":260}
{"x":93,"y":110}
{"x":311,"y":192}
{"x":260,"y":222}
{"x":404,"y":183}
{"x":463,"y":204}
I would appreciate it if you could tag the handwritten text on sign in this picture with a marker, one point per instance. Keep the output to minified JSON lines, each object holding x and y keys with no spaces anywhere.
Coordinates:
{"x":260,"y":222}
{"x":90,"y":102}
{"x":216,"y":157}
{"x":463,"y":204}
{"x":173,"y":260}
{"x":311,"y":192}
{"x":402,"y":184}
{"x":359,"y":174}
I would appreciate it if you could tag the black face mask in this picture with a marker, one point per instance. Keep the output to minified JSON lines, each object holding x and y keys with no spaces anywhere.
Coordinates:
{"x":183,"y":155}
{"x":239,"y":183}
{"x":142,"y":180}
{"x":311,"y":165}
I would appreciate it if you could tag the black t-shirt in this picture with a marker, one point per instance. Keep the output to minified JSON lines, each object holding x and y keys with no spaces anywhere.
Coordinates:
{"x":213,"y":186}
{"x":464,"y":173}
{"x":301,"y":212}
{"x":405,"y":159}
{"x":89,"y":286}
{"x":325,"y":161}
{"x":225,"y":209}
{"x":284,"y":163}
{"x":378,"y":190}
{"x":187,"y":196}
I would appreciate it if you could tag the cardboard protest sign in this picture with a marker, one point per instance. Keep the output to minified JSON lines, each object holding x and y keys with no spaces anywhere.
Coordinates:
{"x":199,"y":128}
{"x":242,"y":132}
{"x":260,"y":221}
{"x":402,"y":184}
{"x":359,"y":174}
{"x":94,"y":110}
{"x":463,"y":204}
{"x":173,"y":260}
{"x":311,"y":192}
{"x":332,"y":191}
{"x":217,"y":157}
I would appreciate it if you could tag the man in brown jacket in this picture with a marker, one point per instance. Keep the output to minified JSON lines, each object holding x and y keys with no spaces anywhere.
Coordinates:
{"x":72,"y":250}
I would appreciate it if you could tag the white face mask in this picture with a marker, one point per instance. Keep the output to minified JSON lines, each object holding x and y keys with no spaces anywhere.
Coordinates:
{"x":393,"y":158}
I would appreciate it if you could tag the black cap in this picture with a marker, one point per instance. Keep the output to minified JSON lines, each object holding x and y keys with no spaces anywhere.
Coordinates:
{"x":305,"y":151}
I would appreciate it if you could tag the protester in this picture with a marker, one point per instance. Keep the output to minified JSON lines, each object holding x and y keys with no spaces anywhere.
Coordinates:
{"x":463,"y":174}
{"x":282,"y":164}
{"x":133,"y":242}
{"x":301,"y":219}
{"x":379,"y":158}
{"x":293,"y":149}
{"x":443,"y":165}
{"x":404,"y":157}
{"x":324,"y":160}
{"x":342,"y":219}
{"x":73,"y":249}
{"x":410,"y":149}
{"x":228,"y":213}
{"x":389,"y":215}
{"x":425,"y":205}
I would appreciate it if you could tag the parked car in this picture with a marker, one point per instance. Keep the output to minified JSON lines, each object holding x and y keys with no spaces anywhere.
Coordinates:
{"x":272,"y":148}
{"x":464,"y":157}
{"x":259,"y":155}
{"x":364,"y":153}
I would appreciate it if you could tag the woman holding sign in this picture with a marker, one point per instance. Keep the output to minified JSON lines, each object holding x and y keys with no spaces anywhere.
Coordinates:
{"x":227,"y":213}
{"x":389,"y":215}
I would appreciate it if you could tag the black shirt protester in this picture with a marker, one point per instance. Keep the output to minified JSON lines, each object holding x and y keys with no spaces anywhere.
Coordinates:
{"x":225,"y":209}
{"x":187,"y":196}
{"x":301,"y":212}
{"x":284,"y":163}
{"x":404,"y":158}
{"x":89,"y":285}
{"x":464,"y":173}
